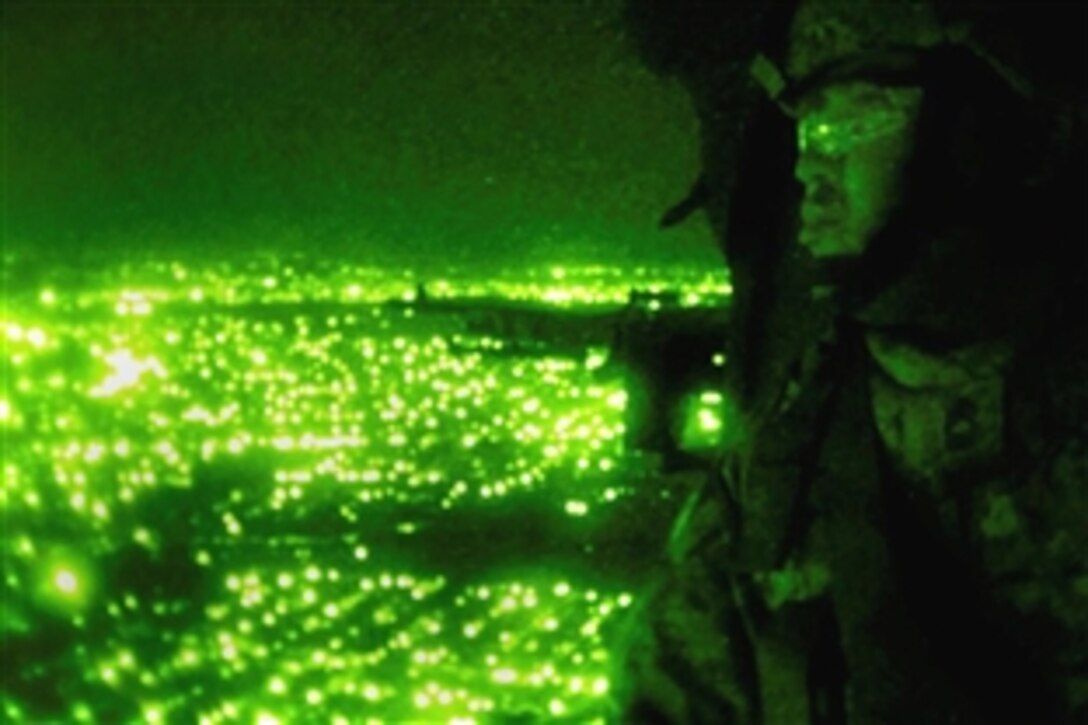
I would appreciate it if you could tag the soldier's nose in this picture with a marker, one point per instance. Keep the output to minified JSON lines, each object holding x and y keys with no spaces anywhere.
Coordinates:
{"x":808,"y":165}
{"x":821,"y":192}
{"x":814,"y":170}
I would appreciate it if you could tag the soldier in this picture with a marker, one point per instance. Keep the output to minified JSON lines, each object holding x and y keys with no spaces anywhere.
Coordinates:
{"x":893,"y":537}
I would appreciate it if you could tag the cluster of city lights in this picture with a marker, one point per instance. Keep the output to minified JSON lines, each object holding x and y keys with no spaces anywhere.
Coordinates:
{"x":220,"y":487}
{"x":139,"y":289}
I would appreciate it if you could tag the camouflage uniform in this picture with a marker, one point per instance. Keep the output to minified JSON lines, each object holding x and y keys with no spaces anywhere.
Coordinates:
{"x":901,"y":537}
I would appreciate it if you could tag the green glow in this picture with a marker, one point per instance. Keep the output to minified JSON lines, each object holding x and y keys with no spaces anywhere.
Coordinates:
{"x":710,"y":397}
{"x":596,"y":358}
{"x":709,"y":421}
{"x":229,"y":496}
{"x":66,"y":582}
{"x":36,"y":337}
{"x":703,"y":422}
{"x":576,"y":508}
{"x":126,"y":372}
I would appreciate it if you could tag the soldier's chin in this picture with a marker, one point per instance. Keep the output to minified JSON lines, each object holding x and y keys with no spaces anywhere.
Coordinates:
{"x":824,"y":241}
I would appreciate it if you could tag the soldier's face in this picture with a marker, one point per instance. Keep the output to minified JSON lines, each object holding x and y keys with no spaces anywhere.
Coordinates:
{"x":853,"y":142}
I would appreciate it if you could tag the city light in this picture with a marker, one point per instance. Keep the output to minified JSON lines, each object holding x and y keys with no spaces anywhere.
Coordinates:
{"x":248,"y":494}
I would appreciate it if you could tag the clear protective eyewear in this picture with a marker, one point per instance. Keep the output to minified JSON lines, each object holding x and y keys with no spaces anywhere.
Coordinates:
{"x":835,"y":133}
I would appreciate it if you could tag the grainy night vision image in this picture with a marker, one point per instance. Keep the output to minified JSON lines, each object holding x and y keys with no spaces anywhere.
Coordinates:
{"x":318,"y":388}
{"x":587,"y":361}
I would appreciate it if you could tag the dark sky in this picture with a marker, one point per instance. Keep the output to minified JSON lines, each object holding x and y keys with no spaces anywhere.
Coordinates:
{"x":428,"y":131}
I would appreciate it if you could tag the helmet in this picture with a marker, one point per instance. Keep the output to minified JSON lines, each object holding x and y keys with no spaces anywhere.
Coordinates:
{"x":885,"y":41}
{"x":827,"y":32}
